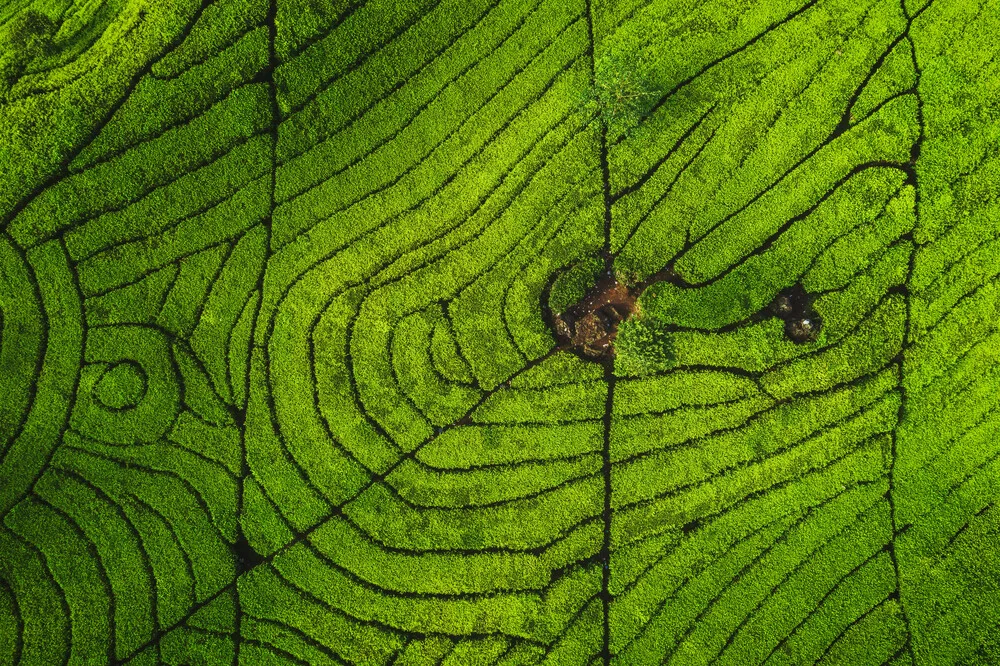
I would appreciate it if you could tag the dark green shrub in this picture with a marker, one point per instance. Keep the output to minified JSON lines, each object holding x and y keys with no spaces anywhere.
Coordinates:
{"x":642,"y":347}
{"x":620,"y":93}
{"x":28,"y":37}
{"x":573,"y":285}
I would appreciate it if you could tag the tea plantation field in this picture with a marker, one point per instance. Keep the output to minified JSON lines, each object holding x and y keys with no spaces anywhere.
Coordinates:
{"x":460,"y":332}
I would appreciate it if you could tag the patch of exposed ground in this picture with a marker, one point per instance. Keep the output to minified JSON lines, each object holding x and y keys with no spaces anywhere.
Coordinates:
{"x":589,"y":327}
{"x":793,"y":306}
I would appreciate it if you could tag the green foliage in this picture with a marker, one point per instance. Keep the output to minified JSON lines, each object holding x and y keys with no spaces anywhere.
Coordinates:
{"x":121,"y":386}
{"x":277,"y":384}
{"x":620,"y":93}
{"x":28,"y":36}
{"x":642,"y":347}
{"x":571,"y":286}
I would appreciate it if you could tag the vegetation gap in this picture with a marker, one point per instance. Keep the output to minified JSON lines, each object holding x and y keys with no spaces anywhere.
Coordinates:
{"x":609,"y":378}
{"x":907,"y":297}
{"x":609,"y":371}
{"x":247,"y":557}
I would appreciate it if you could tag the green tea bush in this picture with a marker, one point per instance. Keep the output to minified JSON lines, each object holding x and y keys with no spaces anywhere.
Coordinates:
{"x":571,"y":286}
{"x":28,"y":36}
{"x":643,"y":347}
{"x":620,"y":93}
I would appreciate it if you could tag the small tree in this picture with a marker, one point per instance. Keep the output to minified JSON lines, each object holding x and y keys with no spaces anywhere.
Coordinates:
{"x":642,"y":347}
{"x":620,"y":93}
